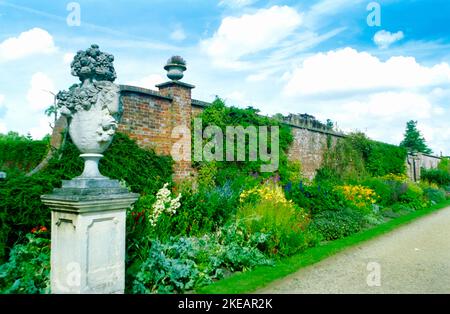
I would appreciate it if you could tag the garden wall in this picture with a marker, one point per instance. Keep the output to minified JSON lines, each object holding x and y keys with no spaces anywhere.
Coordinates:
{"x":415,"y":162}
{"x":309,"y":146}
{"x":429,"y":161}
{"x":149,"y":117}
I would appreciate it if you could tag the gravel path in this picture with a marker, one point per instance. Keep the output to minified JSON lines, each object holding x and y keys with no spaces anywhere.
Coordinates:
{"x":412,"y":259}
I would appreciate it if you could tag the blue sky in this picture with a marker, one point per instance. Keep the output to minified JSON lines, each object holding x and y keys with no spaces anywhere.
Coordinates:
{"x":319,"y":57}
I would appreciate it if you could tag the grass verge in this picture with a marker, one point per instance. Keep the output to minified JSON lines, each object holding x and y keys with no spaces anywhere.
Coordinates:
{"x":259,"y":277}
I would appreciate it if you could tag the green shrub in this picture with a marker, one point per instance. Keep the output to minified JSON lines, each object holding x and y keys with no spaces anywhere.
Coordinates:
{"x":202,"y":212}
{"x":21,"y":208}
{"x":186,"y":263}
{"x":434,"y":195}
{"x":4,"y":232}
{"x":384,"y":190}
{"x":265,"y":209}
{"x":402,"y":208}
{"x":444,"y":164}
{"x":337,"y":224}
{"x":292,"y":173}
{"x":412,"y":195}
{"x":19,"y":153}
{"x":317,"y":197}
{"x":405,"y":191}
{"x":384,"y":158}
{"x":144,"y":221}
{"x":356,"y":157}
{"x":207,"y":174}
{"x":28,"y":267}
{"x":360,"y":198}
{"x":138,"y":231}
{"x":438,"y":176}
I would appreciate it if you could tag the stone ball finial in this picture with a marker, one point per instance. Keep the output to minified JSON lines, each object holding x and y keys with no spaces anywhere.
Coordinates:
{"x":175,"y":67}
{"x":93,"y":64}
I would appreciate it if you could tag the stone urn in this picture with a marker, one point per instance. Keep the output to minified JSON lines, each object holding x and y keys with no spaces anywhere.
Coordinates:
{"x":175,"y":67}
{"x":93,"y":107}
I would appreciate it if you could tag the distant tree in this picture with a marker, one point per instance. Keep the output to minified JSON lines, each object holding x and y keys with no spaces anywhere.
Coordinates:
{"x":278,"y":117}
{"x":13,"y":136}
{"x":413,"y":139}
{"x":330,"y":124}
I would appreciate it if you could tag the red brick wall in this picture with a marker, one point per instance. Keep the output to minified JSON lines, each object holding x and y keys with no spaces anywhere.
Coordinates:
{"x":149,"y":117}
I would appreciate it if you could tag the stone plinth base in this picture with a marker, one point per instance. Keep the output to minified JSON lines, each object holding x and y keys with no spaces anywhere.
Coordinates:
{"x":88,"y":236}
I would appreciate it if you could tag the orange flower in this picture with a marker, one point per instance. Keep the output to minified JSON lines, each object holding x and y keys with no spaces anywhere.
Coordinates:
{"x":43,"y":229}
{"x":34,"y":230}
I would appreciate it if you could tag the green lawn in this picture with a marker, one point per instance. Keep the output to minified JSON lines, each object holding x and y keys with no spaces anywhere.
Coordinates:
{"x":261,"y":276}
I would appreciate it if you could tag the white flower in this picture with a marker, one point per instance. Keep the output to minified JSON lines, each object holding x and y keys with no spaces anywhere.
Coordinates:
{"x":164,"y":204}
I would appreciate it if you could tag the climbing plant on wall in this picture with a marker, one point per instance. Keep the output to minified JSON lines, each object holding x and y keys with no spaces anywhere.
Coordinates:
{"x":357,"y":156}
{"x":220,"y":115}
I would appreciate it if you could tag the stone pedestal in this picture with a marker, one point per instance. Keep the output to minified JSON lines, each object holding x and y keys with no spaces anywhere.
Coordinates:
{"x":88,"y":236}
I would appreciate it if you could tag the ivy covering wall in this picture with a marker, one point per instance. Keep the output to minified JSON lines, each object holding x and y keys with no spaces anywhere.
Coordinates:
{"x":357,"y":156}
{"x":222,"y":116}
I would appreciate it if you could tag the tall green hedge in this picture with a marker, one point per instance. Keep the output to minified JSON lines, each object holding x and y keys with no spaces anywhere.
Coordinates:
{"x":385,"y":158}
{"x":18,"y":153}
{"x":357,"y":156}
{"x":21,"y":208}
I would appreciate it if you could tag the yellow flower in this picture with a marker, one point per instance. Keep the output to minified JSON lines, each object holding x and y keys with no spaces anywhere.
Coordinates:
{"x":359,"y":195}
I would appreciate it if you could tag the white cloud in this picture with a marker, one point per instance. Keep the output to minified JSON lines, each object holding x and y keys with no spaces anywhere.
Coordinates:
{"x":3,"y":128}
{"x":39,"y":96}
{"x":26,"y":117}
{"x":237,"y":96}
{"x":300,"y":43}
{"x":235,"y":4}
{"x":397,"y":104}
{"x":258,"y":76}
{"x":347,"y":70}
{"x":383,"y":39}
{"x":238,"y":37}
{"x":148,"y":81}
{"x":178,"y":33}
{"x":2,"y":125}
{"x":43,"y":128}
{"x":441,"y":138}
{"x":386,"y":106}
{"x":362,"y":92}
{"x":382,"y":116}
{"x":68,"y":57}
{"x":32,"y":42}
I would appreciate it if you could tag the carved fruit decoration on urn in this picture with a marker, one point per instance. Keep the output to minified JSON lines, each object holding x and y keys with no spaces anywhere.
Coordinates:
{"x":93,"y":107}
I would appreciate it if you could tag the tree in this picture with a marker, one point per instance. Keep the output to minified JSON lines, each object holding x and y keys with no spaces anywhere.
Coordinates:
{"x":330,"y":124}
{"x":413,"y":139}
{"x":53,"y":109}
